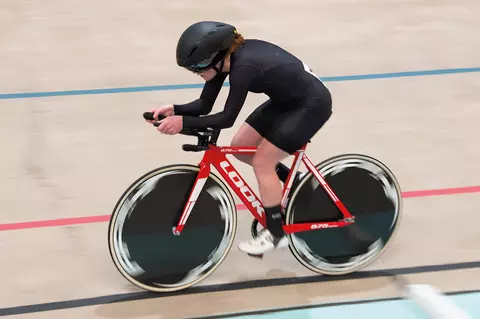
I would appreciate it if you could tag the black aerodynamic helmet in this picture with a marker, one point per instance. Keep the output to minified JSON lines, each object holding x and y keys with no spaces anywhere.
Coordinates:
{"x":204,"y":44}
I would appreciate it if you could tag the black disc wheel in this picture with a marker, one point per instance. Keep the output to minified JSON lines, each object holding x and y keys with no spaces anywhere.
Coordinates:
{"x":369,"y":191}
{"x":141,"y":240}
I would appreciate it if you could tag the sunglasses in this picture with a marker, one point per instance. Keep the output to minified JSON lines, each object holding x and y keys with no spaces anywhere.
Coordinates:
{"x":203,"y":65}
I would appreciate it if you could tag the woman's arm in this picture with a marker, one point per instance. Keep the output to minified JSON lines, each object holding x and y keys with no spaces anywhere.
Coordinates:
{"x":239,"y":82}
{"x":204,"y":104}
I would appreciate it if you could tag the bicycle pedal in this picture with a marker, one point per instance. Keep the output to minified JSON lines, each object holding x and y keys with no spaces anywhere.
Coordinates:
{"x":256,"y":256}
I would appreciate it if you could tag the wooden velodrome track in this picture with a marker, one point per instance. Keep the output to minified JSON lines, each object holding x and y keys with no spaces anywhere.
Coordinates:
{"x":70,"y":155}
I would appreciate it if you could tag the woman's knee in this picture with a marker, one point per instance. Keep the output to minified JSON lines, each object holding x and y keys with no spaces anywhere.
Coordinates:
{"x":266,"y":158}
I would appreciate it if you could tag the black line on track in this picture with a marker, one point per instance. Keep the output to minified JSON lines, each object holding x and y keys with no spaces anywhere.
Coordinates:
{"x":111,"y":299}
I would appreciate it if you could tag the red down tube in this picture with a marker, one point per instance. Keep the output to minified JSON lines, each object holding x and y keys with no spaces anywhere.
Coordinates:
{"x":217,"y":157}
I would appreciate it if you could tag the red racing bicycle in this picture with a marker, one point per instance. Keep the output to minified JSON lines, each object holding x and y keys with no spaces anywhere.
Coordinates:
{"x":176,"y":224}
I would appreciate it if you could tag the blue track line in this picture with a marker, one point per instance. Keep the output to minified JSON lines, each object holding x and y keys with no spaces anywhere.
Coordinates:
{"x":200,"y":85}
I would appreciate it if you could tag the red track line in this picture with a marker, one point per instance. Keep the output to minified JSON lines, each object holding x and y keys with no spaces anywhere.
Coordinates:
{"x":444,"y":191}
{"x":55,"y":222}
{"x":105,"y":218}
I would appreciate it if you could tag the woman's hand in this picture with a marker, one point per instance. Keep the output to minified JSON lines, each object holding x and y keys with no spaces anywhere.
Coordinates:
{"x":171,"y":125}
{"x":165,"y":110}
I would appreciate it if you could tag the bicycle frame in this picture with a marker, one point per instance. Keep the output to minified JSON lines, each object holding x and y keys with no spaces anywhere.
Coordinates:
{"x":216,"y":156}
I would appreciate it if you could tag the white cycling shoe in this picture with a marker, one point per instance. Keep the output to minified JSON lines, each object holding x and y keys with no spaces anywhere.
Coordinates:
{"x":263,"y":243}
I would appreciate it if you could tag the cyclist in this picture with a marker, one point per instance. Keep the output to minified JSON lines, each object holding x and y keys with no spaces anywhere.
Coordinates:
{"x":298,"y":106}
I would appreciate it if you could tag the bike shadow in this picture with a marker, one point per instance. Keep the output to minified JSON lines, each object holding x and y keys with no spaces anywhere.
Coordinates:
{"x":140,"y":304}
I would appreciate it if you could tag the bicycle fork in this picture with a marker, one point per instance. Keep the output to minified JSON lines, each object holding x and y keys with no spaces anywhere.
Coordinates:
{"x":192,"y":198}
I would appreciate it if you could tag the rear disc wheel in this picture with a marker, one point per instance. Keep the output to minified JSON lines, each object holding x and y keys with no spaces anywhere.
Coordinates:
{"x":369,"y":191}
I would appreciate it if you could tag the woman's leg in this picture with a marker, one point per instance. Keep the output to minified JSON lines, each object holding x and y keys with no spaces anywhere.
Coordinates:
{"x":265,"y":162}
{"x":246,"y":136}
{"x":254,"y":129}
{"x":264,"y":165}
{"x":291,"y":130}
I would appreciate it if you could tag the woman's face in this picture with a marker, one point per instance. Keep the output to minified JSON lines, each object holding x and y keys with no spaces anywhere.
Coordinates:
{"x":207,"y":75}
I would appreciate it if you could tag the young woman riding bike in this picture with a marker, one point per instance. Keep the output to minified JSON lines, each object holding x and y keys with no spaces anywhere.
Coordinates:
{"x":298,"y":106}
